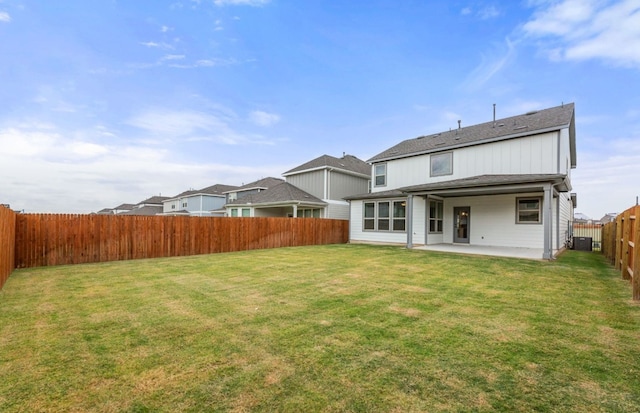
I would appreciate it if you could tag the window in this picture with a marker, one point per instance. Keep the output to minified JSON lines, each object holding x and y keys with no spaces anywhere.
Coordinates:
{"x":442,"y":164}
{"x":529,"y":210}
{"x":173,"y":206}
{"x":184,"y":205}
{"x":436,"y":213}
{"x":246,"y":212}
{"x":234,"y":212}
{"x":309,"y":213}
{"x":399,"y":215}
{"x":385,"y":216}
{"x":380,"y":174}
{"x":370,"y":215}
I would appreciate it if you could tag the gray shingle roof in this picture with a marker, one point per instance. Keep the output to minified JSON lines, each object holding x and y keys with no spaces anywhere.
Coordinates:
{"x":263,"y":183}
{"x":145,"y":210}
{"x":284,"y":192}
{"x":507,"y":128}
{"x":217,"y":189}
{"x":348,"y":163}
{"x":154,"y":200}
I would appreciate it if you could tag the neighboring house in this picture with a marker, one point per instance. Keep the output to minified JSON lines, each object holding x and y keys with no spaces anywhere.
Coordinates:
{"x":330,"y":180}
{"x":235,"y":195}
{"x":150,"y":206}
{"x":610,"y":217}
{"x":582,"y":218}
{"x":123,"y":208}
{"x":198,"y":202}
{"x":500,"y":183}
{"x":281,"y":200}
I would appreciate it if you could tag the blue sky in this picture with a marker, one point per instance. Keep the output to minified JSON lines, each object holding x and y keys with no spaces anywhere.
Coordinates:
{"x":107,"y":102}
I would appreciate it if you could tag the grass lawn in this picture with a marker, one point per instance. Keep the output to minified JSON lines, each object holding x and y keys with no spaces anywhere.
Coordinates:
{"x":334,"y":328}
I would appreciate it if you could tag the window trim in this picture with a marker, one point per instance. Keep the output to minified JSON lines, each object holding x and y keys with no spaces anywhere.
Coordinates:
{"x":390,"y":218}
{"x":449,"y":156}
{"x":376,"y":175}
{"x":529,"y":198}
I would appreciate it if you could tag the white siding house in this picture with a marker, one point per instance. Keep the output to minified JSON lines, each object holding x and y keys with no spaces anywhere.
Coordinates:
{"x":500,"y":183}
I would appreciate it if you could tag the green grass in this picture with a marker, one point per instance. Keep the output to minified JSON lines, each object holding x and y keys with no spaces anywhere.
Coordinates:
{"x":336,"y":328}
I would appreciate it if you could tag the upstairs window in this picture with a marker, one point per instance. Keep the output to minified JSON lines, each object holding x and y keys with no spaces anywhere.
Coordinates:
{"x":380,"y":172}
{"x":442,"y":164}
{"x":529,"y":210}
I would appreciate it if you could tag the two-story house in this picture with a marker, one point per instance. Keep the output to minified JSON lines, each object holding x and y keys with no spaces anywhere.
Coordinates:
{"x":501,"y":183}
{"x":331,"y":179}
{"x":315,"y":189}
{"x":199,"y":202}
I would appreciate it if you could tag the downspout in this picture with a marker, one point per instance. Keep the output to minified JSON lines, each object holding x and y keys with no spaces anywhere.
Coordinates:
{"x":546,"y":221}
{"x":410,"y":221}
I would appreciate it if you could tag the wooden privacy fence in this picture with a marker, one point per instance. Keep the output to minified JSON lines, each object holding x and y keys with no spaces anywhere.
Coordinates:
{"x":7,"y":243}
{"x":619,"y":240}
{"x":55,"y":239}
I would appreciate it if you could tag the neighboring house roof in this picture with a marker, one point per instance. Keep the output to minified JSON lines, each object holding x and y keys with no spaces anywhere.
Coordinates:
{"x":394,"y":193}
{"x":533,"y":122}
{"x":264,"y":183}
{"x":125,"y":206}
{"x":217,"y":189}
{"x":145,"y":210}
{"x":282,"y":193}
{"x":155,"y":200}
{"x":106,"y":211}
{"x":581,"y":216}
{"x":347,"y":163}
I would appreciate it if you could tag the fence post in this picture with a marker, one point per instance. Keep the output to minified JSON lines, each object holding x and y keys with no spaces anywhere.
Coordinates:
{"x":635,"y":280}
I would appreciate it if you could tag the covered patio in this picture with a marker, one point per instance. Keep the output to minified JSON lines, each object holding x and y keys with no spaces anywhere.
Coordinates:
{"x":511,"y":252}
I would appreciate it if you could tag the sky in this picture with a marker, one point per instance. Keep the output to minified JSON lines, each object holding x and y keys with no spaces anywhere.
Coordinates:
{"x":107,"y":102}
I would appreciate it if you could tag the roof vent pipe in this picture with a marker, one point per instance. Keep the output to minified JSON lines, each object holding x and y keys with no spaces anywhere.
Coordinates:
{"x":494,"y":115}
{"x":459,"y":122}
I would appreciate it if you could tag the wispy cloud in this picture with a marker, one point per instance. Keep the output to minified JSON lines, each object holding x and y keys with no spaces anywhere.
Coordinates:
{"x":157,"y":45}
{"x":5,"y":17}
{"x":581,"y":30}
{"x":240,"y":2}
{"x":484,"y":13}
{"x":491,"y":65}
{"x":263,"y":118}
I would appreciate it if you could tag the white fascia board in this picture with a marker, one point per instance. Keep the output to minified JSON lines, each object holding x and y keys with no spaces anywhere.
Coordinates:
{"x":330,"y":168}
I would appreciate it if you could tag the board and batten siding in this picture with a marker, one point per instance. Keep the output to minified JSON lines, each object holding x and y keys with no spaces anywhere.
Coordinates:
{"x":537,"y":154}
{"x":342,"y":185}
{"x":311,"y":182}
{"x":337,"y":210}
{"x":493,"y":222}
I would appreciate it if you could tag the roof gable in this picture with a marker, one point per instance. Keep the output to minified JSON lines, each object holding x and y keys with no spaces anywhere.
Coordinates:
{"x":264,"y":183}
{"x":530,"y":123}
{"x":347,"y":163}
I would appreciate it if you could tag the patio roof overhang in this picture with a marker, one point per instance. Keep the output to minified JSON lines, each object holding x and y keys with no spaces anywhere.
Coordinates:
{"x":490,"y":185}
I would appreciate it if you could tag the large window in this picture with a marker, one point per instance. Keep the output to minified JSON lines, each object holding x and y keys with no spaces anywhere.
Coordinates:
{"x":234,"y":212}
{"x":442,"y":164}
{"x":529,"y":210}
{"x":385,"y":216}
{"x":246,"y":212}
{"x":380,"y":172}
{"x":436,"y":214}
{"x":309,"y":213}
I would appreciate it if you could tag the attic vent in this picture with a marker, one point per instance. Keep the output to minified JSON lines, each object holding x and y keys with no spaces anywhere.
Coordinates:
{"x":421,"y":137}
{"x":392,"y":152}
{"x":436,"y":135}
{"x":533,"y":112}
{"x":440,"y":143}
{"x":521,"y":127}
{"x":500,"y":125}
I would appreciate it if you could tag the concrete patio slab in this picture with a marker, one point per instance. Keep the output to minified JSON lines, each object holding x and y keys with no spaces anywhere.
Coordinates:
{"x":527,"y":253}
